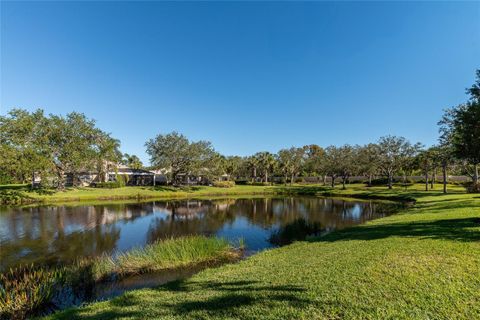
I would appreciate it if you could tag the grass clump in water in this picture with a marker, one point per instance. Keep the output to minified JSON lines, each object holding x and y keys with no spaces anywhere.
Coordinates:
{"x":172,"y":254}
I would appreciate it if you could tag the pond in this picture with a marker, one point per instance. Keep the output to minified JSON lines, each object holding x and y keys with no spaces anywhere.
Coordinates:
{"x":61,"y":234}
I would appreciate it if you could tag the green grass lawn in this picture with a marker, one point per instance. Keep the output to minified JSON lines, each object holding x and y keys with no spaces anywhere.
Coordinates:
{"x":125,"y":193}
{"x":423,"y":263}
{"x":165,"y":192}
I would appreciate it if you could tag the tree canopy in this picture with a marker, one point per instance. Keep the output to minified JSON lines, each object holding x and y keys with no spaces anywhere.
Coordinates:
{"x":177,"y":154}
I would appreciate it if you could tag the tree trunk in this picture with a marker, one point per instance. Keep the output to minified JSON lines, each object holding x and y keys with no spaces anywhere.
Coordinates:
{"x":444,"y":169}
{"x":390,"y":181}
{"x":291,"y":179}
{"x":324,"y":179}
{"x":343,"y":182}
{"x":266,"y":176}
{"x":475,"y":173}
{"x":432,"y":181}
{"x":333,"y":182}
{"x":369,"y":180}
{"x":286,"y":176}
{"x":426,"y":178}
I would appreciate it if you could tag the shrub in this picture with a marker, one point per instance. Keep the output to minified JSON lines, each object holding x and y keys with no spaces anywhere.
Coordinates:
{"x":241,"y":182}
{"x":259,"y":183}
{"x":122,"y":179}
{"x":109,"y":185}
{"x":224,"y":184}
{"x":5,"y":178}
{"x":473,"y":187}
{"x":12,"y":197}
{"x":380,"y":182}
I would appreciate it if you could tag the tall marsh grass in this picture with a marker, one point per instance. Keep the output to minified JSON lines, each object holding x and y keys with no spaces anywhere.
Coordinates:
{"x":30,"y":291}
{"x":174,"y":253}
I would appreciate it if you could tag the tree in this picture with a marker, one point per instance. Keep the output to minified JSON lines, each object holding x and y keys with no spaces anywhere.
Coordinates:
{"x":460,"y":128}
{"x":107,"y":154}
{"x":267,"y":163}
{"x":23,"y":144}
{"x":235,"y":167}
{"x":346,"y":162}
{"x":291,"y":162}
{"x":442,"y":156}
{"x":332,"y":156}
{"x":314,"y":161}
{"x":214,"y":166}
{"x":37,"y":144}
{"x":368,"y":161}
{"x":393,"y":153}
{"x":132,"y":161}
{"x":173,"y":151}
{"x":253,"y":163}
{"x":425,"y":161}
{"x":73,"y":145}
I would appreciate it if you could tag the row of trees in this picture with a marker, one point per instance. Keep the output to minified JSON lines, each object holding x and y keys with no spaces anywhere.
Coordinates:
{"x":389,"y":157}
{"x":458,"y":149}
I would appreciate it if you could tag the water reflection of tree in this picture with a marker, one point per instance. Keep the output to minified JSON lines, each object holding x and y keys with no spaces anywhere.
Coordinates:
{"x":48,"y":235}
{"x":208,"y":217}
{"x":53,"y":234}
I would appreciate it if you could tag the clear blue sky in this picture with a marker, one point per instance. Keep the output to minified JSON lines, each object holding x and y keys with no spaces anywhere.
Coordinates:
{"x":246,"y":76}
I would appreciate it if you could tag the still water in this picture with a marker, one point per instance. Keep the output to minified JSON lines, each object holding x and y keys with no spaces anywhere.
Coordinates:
{"x":53,"y":234}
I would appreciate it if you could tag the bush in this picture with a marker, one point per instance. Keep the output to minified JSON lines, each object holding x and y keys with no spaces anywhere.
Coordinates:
{"x":122,"y":179}
{"x":224,"y":184}
{"x":380,"y":182}
{"x":12,"y":197}
{"x":109,"y":185}
{"x":473,"y":187}
{"x":259,"y":183}
{"x":241,"y":182}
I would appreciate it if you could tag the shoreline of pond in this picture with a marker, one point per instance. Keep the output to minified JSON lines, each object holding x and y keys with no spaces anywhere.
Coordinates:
{"x":180,"y":194}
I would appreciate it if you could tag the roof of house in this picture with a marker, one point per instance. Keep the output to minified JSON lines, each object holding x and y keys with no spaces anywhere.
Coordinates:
{"x":130,"y":171}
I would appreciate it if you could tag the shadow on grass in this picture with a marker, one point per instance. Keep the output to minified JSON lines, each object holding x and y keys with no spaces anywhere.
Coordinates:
{"x":216,"y":298}
{"x":397,"y":194}
{"x":176,"y":188}
{"x":449,"y":229}
{"x":164,"y":188}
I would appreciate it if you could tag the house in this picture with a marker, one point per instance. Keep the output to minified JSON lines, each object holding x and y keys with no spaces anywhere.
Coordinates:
{"x":160,"y":176}
{"x":133,"y":177}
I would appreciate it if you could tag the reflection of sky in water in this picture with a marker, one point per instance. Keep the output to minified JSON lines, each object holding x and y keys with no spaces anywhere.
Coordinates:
{"x":132,"y":233}
{"x":355,"y":212}
{"x":255,"y":237}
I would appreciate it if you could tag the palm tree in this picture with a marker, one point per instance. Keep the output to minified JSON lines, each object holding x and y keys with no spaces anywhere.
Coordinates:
{"x":253,"y":163}
{"x":267,"y":162}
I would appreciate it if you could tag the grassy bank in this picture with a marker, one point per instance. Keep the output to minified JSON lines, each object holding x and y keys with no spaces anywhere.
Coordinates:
{"x":162,"y":192}
{"x":27,"y":291}
{"x":127,"y":193}
{"x":423,"y":263}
